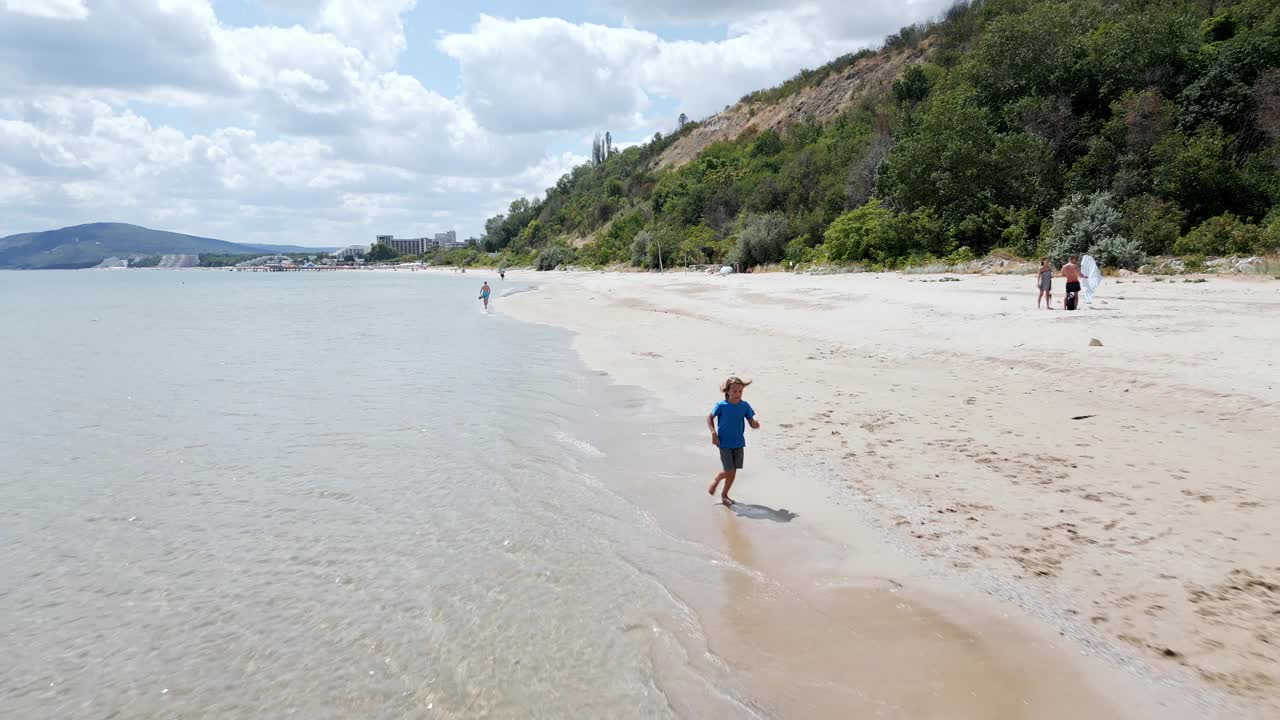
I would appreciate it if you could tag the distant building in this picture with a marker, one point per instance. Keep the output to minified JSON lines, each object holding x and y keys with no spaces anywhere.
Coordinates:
{"x":417,"y":246}
{"x":407,"y":246}
{"x":351,"y":252}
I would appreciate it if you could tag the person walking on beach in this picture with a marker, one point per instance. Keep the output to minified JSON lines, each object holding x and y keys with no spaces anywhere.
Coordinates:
{"x":1071,"y":271}
{"x":484,"y":294}
{"x":1045,"y":283}
{"x":502,"y":274}
{"x":733,"y":414}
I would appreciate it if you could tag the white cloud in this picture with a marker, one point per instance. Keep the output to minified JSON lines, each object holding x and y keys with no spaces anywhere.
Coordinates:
{"x":835,"y":18}
{"x":683,"y":11}
{"x":87,"y":161}
{"x":374,"y":26}
{"x":549,"y":74}
{"x":159,"y":112}
{"x":286,"y":79}
{"x":530,"y":75}
{"x":51,"y":9}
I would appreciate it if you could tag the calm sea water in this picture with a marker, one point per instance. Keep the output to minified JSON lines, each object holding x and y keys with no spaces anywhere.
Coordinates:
{"x":228,"y":495}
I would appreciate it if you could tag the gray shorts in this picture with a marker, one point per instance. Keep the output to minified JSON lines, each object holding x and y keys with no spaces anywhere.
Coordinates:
{"x":731,"y":458}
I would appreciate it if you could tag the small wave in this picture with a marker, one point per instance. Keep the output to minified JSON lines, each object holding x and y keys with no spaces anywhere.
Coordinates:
{"x":583,"y":445}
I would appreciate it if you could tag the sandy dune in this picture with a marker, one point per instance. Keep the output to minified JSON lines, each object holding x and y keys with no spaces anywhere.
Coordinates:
{"x":1126,"y":494}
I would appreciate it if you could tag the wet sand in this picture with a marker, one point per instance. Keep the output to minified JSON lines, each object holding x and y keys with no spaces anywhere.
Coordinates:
{"x":963,"y":546}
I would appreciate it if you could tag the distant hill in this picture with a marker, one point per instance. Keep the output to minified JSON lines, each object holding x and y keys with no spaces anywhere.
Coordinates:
{"x":83,"y":246}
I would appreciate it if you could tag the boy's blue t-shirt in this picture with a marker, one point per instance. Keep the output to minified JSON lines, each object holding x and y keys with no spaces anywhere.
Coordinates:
{"x":732,"y":423}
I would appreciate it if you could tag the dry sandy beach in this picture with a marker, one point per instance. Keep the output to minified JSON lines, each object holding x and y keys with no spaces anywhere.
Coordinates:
{"x":1121,"y":498}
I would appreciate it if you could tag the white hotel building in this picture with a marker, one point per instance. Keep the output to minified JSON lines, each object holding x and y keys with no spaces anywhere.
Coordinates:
{"x":417,"y":246}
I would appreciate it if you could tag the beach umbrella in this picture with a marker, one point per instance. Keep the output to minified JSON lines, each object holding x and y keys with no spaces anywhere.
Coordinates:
{"x":1091,"y":277}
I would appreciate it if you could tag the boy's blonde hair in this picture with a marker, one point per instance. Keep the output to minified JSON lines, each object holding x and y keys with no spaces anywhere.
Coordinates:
{"x":730,"y":382}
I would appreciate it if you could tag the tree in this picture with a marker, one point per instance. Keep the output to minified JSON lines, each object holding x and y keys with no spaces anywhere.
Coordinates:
{"x":1118,"y":251}
{"x":697,"y":244}
{"x":1038,"y":52}
{"x":912,"y":87}
{"x":555,"y":256}
{"x":860,"y":185}
{"x":945,"y":164}
{"x":762,"y":240}
{"x":1199,"y":173}
{"x":682,"y":121}
{"x":1151,"y":48}
{"x":381,"y":252}
{"x":767,"y":144}
{"x":1221,"y":235}
{"x":1224,"y":94}
{"x":1051,"y":118}
{"x":640,"y":245}
{"x":1082,"y":223}
{"x":1267,"y":89}
{"x":1024,"y":172}
{"x":1154,"y":223}
{"x":608,"y":145}
{"x":652,"y":248}
{"x":851,"y":238}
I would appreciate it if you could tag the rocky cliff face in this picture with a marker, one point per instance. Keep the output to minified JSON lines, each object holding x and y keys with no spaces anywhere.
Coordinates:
{"x":863,"y":82}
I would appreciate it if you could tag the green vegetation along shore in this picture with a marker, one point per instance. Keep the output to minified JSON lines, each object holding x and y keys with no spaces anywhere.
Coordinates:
{"x":1125,"y":129}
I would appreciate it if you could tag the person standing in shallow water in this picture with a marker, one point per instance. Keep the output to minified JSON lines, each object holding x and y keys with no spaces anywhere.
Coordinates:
{"x":733,"y":414}
{"x":484,"y":294}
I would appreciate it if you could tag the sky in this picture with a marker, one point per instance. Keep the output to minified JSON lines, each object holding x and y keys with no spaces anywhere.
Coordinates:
{"x":327,"y":122}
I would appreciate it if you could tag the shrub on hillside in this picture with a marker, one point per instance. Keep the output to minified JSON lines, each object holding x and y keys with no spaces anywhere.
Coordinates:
{"x":1222,"y":235}
{"x":640,"y":248}
{"x":762,"y":240}
{"x":1083,"y":222}
{"x":698,"y":245}
{"x":656,"y":247}
{"x":554,"y":256}
{"x":1271,"y":237}
{"x":852,"y":236}
{"x":1154,"y":223}
{"x":1118,"y":252}
{"x":1022,"y":236}
{"x":874,"y":233}
{"x":1200,"y":173}
{"x":800,"y":252}
{"x":960,"y":256}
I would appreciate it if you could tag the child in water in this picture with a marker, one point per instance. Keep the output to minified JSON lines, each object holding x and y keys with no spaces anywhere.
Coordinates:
{"x":733,"y":414}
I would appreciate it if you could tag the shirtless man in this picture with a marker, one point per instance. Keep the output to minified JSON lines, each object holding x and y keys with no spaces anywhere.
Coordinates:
{"x":1071,"y":271}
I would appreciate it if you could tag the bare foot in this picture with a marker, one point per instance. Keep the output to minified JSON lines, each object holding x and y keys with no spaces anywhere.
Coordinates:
{"x":726,"y":500}
{"x":712,"y":490}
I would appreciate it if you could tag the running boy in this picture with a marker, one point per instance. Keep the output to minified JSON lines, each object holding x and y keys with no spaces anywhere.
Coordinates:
{"x":734,"y":414}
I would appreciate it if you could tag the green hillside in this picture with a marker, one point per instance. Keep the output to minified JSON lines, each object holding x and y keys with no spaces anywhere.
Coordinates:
{"x":1123,"y":128}
{"x":87,"y":245}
